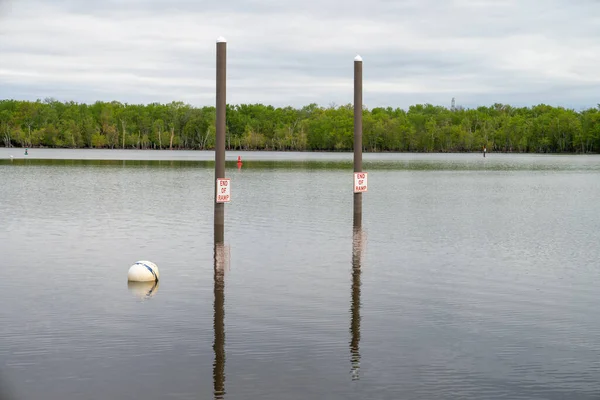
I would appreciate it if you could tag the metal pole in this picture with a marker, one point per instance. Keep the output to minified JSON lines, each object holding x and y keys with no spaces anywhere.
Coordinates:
{"x":219,"y":293}
{"x":358,"y":67}
{"x":220,"y":142}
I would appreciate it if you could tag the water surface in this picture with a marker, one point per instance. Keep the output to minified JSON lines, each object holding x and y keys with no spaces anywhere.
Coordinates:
{"x":470,"y":278}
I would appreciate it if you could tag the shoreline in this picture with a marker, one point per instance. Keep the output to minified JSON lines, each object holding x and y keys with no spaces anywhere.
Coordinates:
{"x":299,"y":151}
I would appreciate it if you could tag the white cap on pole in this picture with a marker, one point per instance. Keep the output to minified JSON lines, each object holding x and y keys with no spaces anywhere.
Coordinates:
{"x":358,"y":58}
{"x":221,"y":39}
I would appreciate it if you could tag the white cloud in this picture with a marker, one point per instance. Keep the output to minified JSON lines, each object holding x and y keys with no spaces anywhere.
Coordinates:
{"x":294,"y":53}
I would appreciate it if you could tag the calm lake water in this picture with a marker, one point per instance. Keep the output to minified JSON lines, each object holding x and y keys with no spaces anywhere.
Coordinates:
{"x":471,"y":278}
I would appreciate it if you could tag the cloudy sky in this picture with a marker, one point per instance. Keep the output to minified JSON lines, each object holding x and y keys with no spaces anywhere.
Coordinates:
{"x":292,"y":52}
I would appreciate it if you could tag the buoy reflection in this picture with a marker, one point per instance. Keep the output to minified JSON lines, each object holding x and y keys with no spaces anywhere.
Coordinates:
{"x":143,"y":290}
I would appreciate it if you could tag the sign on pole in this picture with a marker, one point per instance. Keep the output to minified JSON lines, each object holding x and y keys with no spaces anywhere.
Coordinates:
{"x":360,"y":182}
{"x":223,"y":190}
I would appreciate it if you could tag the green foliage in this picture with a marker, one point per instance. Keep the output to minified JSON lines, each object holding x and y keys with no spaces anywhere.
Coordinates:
{"x":421,"y":128}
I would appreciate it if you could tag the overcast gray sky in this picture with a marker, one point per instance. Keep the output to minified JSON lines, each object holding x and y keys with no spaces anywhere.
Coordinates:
{"x":291,"y":52}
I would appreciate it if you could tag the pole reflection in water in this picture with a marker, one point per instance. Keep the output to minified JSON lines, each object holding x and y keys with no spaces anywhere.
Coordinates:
{"x":219,"y":321}
{"x":357,"y":248}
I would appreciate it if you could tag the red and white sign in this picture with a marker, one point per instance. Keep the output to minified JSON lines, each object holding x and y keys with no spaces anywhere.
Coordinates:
{"x":360,"y":182}
{"x":223,"y":190}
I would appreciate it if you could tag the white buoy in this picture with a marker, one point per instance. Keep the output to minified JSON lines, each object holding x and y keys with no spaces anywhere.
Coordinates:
{"x":143,"y":290}
{"x":143,"y":271}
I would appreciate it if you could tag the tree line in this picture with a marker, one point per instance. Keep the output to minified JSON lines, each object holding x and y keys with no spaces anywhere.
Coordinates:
{"x":421,"y":128}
